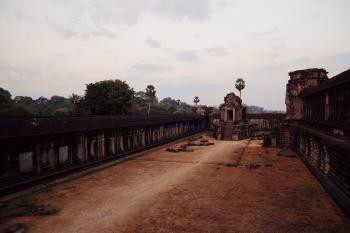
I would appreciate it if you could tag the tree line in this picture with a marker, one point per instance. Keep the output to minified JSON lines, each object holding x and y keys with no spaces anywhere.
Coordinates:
{"x":100,"y":98}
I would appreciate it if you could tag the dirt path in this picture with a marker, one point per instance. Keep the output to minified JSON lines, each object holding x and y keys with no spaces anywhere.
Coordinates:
{"x":227,"y":187}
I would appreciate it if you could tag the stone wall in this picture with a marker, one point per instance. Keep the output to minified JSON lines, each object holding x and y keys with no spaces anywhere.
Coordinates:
{"x":300,"y":80}
{"x":318,"y":121}
{"x":27,"y":158}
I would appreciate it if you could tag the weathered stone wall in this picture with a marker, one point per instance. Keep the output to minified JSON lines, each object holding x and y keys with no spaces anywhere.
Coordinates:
{"x":318,"y":116}
{"x":300,"y":80}
{"x":266,"y":124}
{"x":328,"y":159}
{"x":23,"y":159}
{"x":271,"y":125}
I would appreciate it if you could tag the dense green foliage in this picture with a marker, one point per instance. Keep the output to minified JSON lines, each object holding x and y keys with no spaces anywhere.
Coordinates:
{"x":105,"y":97}
{"x":108,"y":97}
{"x":26,"y":106}
{"x":167,"y":105}
{"x":5,"y":102}
{"x":5,"y":96}
{"x":151,"y":92}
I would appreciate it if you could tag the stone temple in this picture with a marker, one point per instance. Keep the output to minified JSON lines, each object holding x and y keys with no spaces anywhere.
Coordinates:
{"x":300,"y":80}
{"x":231,"y":125}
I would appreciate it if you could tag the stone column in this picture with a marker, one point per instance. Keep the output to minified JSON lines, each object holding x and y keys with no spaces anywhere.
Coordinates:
{"x":143,"y":140}
{"x":327,"y":109}
{"x":101,"y":144}
{"x":121,"y":144}
{"x":225,"y":115}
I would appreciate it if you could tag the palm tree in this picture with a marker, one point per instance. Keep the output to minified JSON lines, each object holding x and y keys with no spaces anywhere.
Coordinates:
{"x":151,"y":93}
{"x":178,"y":102}
{"x":74,"y":99}
{"x":196,"y":100}
{"x":240,"y":85}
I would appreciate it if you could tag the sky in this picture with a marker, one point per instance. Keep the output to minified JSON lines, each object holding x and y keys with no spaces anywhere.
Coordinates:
{"x":185,"y":48}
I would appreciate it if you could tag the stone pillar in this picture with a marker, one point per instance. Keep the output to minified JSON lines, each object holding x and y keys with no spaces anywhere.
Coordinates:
{"x":143,"y":139}
{"x":92,"y":148}
{"x":52,"y":157}
{"x":112,"y":145}
{"x":121,"y":144}
{"x":63,"y":154}
{"x":134,"y":137}
{"x":129,"y":142}
{"x":81,"y":149}
{"x":38,"y":157}
{"x":101,"y":144}
{"x":26,"y":162}
{"x":327,"y":108}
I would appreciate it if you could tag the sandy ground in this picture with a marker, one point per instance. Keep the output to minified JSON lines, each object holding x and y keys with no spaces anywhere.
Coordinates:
{"x":226,"y":187}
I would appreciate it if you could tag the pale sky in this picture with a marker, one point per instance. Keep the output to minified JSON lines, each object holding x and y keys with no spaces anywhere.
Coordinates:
{"x":185,"y":48}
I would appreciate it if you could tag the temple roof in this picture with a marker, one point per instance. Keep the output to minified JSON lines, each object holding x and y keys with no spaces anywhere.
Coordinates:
{"x":333,"y":82}
{"x":36,"y":126}
{"x":231,"y":100}
{"x":308,"y":71}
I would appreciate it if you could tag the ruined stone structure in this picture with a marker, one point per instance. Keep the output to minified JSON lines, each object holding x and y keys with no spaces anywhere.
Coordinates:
{"x":231,"y":110}
{"x":270,"y":127}
{"x":318,"y":117}
{"x":234,"y":124}
{"x":299,"y":80}
{"x":232,"y":114}
{"x":33,"y":148}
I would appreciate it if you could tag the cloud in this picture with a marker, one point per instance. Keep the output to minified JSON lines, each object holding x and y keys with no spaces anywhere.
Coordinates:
{"x":103,"y":32}
{"x":67,"y":19}
{"x":335,"y":63}
{"x":4,"y":4}
{"x":273,"y":51}
{"x":129,"y":12}
{"x":153,"y":43}
{"x":96,"y":18}
{"x":195,"y":10}
{"x":300,"y":60}
{"x":187,"y":55}
{"x":217,"y":51}
{"x":264,"y":33}
{"x":9,"y":74}
{"x":63,"y":31}
{"x":85,"y":31}
{"x":149,"y":68}
{"x":60,"y":55}
{"x":55,"y":57}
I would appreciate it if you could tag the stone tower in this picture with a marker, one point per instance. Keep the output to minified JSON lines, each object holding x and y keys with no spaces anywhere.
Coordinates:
{"x":231,"y":110}
{"x":299,"y":80}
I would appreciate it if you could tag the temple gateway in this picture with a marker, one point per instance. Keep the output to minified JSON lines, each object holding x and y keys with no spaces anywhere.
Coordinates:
{"x":231,"y":125}
{"x":232,"y":109}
